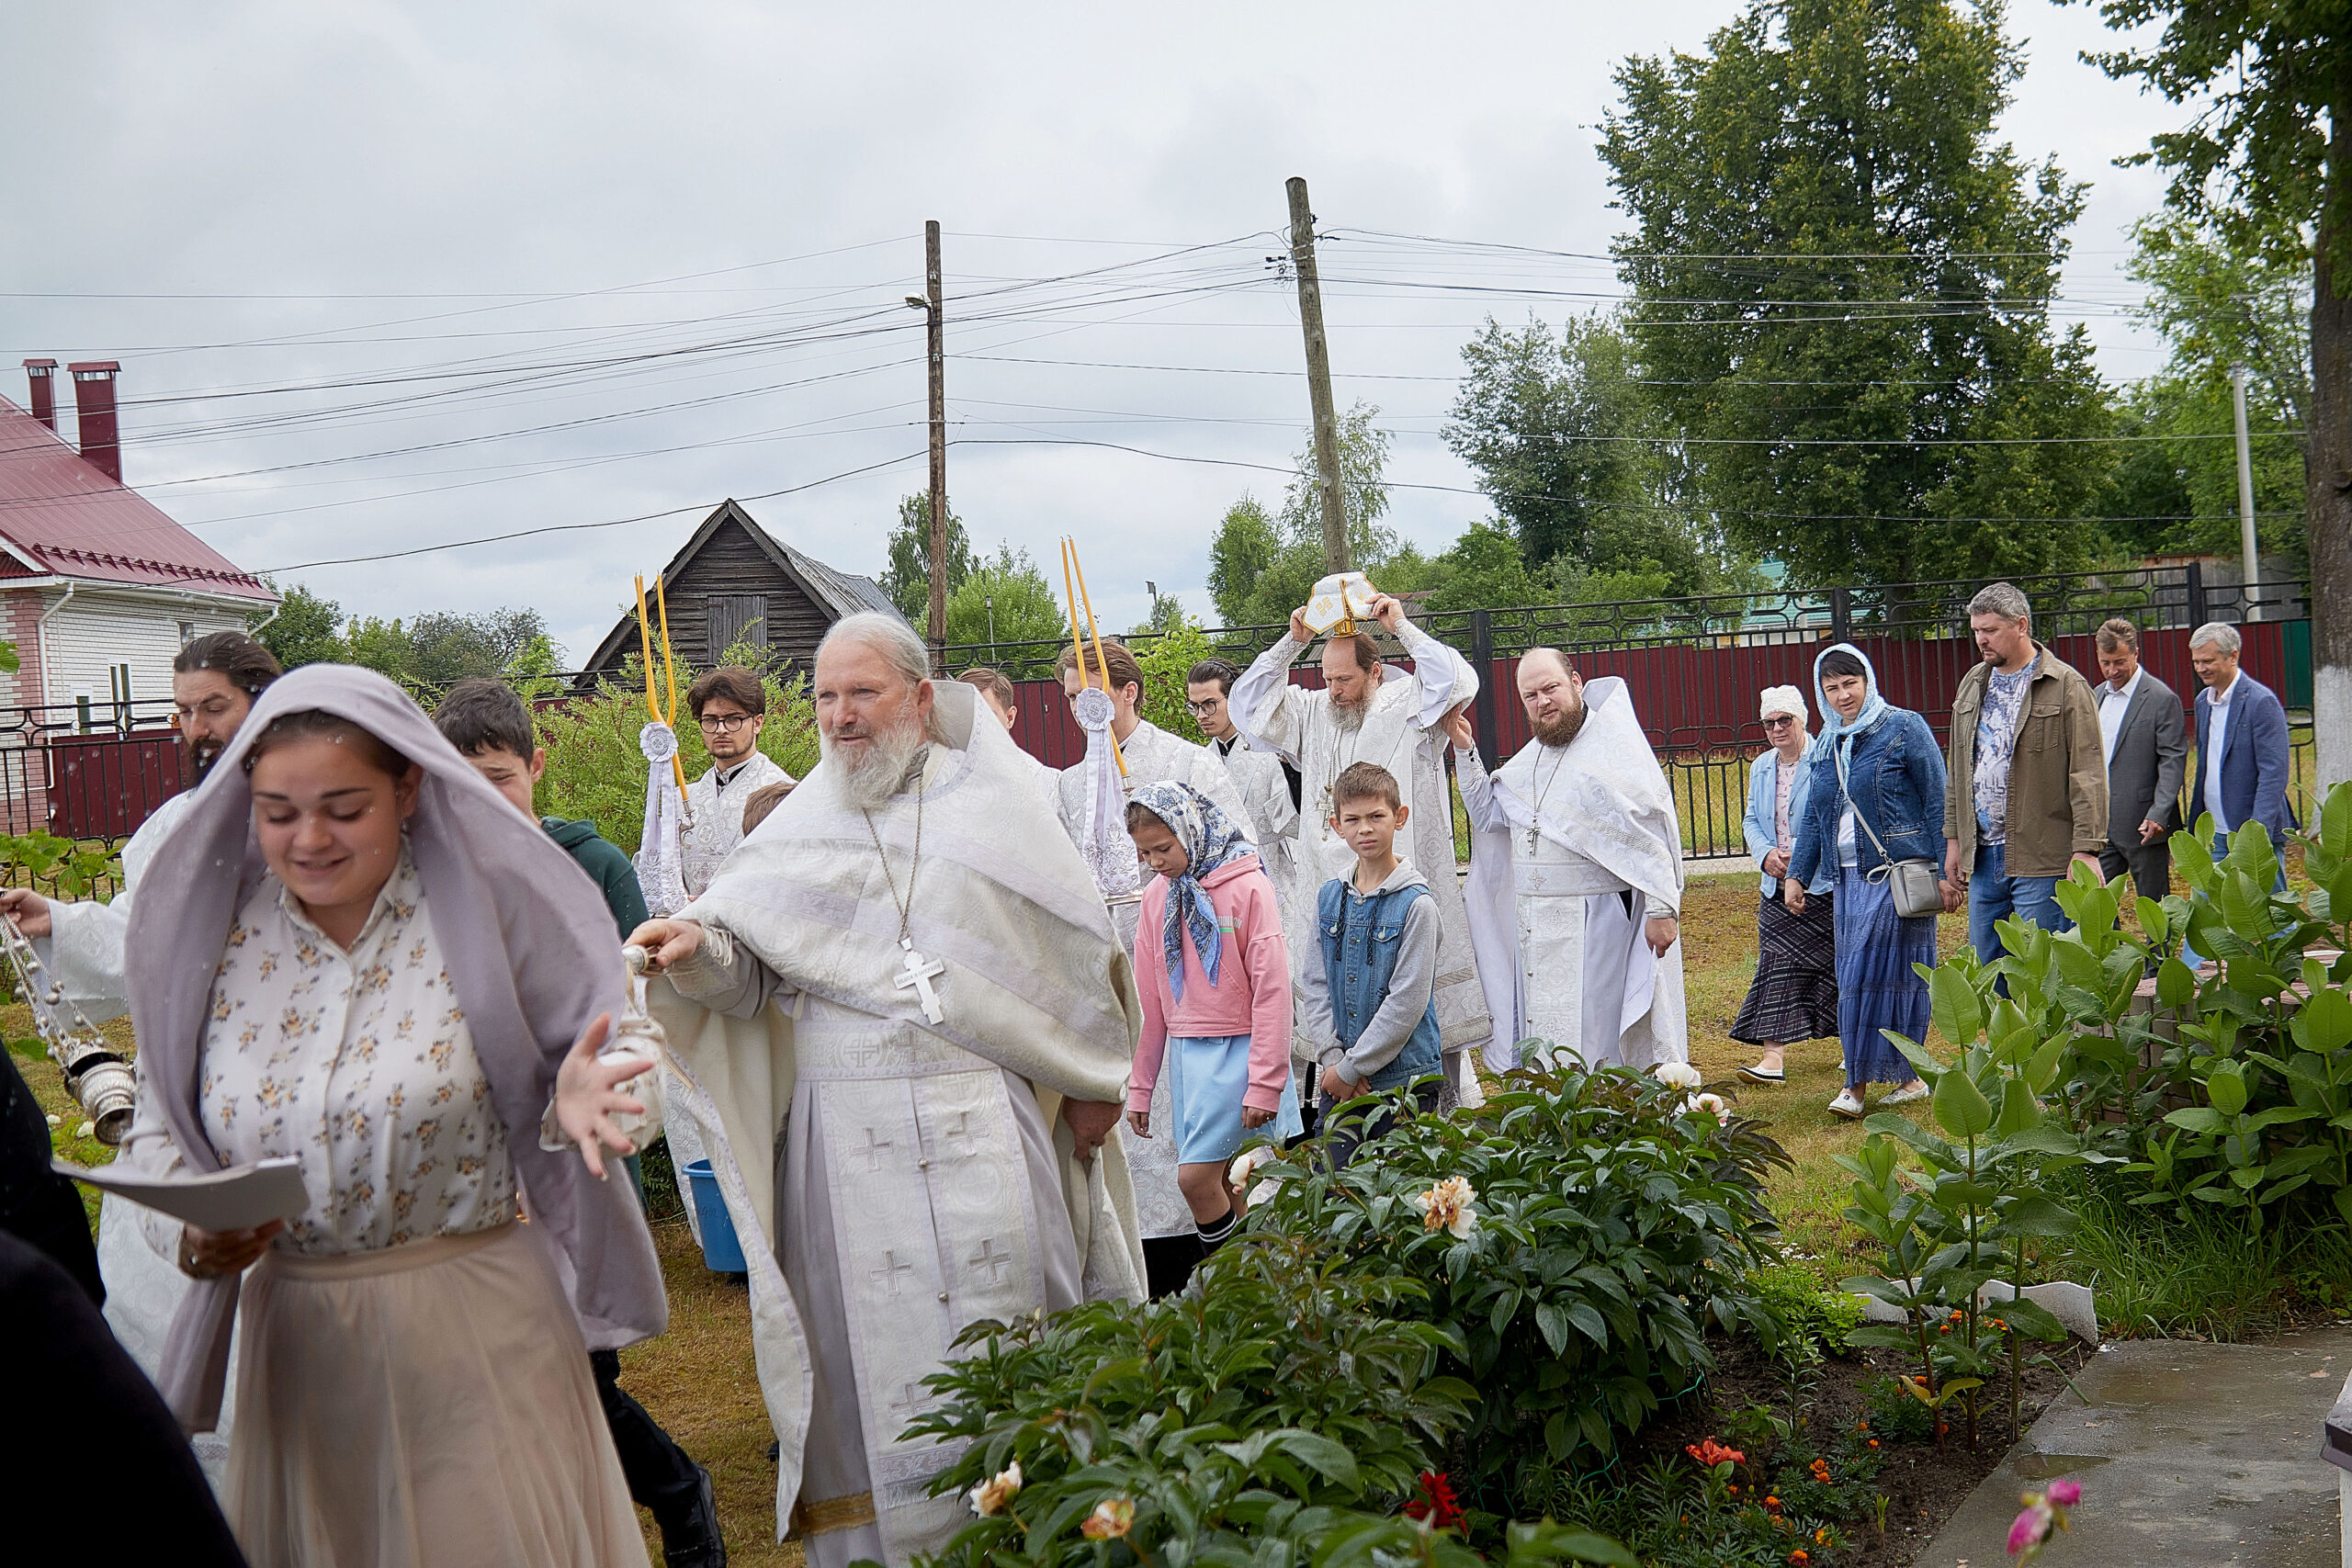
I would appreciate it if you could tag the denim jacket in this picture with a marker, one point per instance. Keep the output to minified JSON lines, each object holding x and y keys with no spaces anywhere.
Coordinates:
{"x":1388,"y":1042}
{"x":1896,"y":772}
{"x":1763,"y":791}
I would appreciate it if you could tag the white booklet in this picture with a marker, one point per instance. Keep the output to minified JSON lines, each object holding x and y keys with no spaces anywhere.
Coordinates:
{"x":236,"y":1199}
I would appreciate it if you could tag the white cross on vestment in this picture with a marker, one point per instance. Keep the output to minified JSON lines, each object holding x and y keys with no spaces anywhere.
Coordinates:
{"x":990,"y":1259}
{"x":917,"y":975}
{"x":889,"y":1271}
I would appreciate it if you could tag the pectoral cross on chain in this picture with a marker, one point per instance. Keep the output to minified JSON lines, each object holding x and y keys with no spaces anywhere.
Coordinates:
{"x":916,"y":977}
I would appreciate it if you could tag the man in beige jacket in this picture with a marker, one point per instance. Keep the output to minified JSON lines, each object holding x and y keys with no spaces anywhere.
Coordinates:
{"x":2028,"y":792}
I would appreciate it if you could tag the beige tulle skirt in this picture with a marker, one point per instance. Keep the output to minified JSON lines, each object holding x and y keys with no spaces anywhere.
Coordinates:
{"x":425,"y":1407}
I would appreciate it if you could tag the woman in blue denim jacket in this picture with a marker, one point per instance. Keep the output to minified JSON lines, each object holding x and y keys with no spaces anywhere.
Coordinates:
{"x":1893,"y":795}
{"x":1794,"y":994}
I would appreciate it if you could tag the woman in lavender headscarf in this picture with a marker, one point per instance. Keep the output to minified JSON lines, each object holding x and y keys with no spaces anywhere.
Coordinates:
{"x":360,"y":957}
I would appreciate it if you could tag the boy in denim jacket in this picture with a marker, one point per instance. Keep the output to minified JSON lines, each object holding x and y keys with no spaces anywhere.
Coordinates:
{"x":1371,"y":1005}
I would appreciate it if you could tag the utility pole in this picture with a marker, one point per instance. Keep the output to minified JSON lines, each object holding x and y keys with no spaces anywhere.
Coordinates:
{"x":2246,"y":494}
{"x":1318,"y":377}
{"x":938,"y":334}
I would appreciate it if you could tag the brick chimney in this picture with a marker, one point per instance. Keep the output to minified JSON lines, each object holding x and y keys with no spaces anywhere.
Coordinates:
{"x":94,"y":415}
{"x":43,"y":374}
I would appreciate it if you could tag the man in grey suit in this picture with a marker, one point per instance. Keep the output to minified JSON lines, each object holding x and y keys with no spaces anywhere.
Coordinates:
{"x":2140,"y":724}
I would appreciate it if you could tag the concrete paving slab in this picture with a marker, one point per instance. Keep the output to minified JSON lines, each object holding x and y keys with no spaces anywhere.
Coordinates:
{"x":2186,"y":1453}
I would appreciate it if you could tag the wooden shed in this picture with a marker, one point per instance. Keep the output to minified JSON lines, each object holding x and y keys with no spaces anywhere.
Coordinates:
{"x":733,"y":582}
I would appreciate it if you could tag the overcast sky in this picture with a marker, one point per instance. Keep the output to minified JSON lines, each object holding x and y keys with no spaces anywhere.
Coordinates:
{"x":583,"y":261}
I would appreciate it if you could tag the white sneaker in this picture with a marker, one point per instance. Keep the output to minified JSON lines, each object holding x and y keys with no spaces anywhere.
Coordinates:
{"x":1918,"y":1090}
{"x":1847,"y":1104}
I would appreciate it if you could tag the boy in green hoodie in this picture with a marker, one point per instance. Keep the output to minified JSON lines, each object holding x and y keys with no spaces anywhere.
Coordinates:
{"x":490,"y":727}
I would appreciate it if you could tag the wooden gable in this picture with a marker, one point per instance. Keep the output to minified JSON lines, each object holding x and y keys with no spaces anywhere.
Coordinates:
{"x":730,"y":578}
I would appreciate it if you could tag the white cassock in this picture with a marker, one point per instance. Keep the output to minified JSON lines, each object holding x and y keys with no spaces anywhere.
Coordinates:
{"x":1575,"y":847}
{"x":894,"y":1177}
{"x":714,"y":816}
{"x":1098,"y":826}
{"x":714,"y":827}
{"x":1400,"y":734}
{"x":138,"y":1248}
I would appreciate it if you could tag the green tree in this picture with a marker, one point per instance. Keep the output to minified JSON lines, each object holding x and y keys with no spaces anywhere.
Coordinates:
{"x":382,"y":646}
{"x":532,"y":672}
{"x":907,"y":580}
{"x":307,"y":628}
{"x":1572,"y":448}
{"x":445,"y":648}
{"x":1261,"y":568}
{"x":1026,"y":608}
{"x":1840,"y":281}
{"x":1246,"y":544}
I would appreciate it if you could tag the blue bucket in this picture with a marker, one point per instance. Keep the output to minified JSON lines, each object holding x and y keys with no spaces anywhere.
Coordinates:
{"x":722,"y":1253}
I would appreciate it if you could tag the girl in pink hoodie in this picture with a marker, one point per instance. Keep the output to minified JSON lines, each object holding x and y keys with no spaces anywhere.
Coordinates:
{"x":1215,"y":976}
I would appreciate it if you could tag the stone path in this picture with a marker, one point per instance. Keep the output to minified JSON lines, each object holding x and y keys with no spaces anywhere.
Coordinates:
{"x":2187,"y":1454}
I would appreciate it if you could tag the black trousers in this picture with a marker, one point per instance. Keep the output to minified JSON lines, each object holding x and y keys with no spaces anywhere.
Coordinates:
{"x":2151,"y":867}
{"x":660,"y":1475}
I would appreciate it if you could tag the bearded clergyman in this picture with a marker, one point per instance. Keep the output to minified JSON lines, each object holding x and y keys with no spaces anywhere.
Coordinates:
{"x":1576,"y":877}
{"x":1372,"y":712}
{"x":1125,"y":751}
{"x":905,"y":1026}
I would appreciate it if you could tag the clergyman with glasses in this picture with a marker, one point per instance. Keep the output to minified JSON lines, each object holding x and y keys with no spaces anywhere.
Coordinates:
{"x":730,"y":706}
{"x":1794,"y":994}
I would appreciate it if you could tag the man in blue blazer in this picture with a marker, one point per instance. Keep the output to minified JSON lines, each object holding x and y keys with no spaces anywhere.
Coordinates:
{"x":2243,"y":765}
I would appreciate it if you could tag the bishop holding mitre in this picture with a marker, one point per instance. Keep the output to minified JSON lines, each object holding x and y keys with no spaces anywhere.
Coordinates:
{"x":910,"y":959}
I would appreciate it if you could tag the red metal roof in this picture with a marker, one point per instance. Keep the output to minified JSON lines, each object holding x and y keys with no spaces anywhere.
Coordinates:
{"x":67,"y":518}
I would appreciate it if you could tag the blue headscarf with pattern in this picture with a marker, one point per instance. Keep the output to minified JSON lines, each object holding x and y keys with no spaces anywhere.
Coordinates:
{"x":1210,"y":840}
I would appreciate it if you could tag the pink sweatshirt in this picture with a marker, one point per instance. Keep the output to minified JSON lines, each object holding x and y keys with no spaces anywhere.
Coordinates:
{"x":1252,"y":996}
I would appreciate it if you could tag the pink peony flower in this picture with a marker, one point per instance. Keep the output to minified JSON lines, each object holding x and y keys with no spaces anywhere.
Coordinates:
{"x":2029,"y":1528}
{"x":2065,"y":1493}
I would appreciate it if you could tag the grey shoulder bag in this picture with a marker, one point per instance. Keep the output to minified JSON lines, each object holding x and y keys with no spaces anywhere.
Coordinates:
{"x":1914,"y":885}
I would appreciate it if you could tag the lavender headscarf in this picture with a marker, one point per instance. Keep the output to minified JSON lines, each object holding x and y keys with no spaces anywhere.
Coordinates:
{"x":1211,"y":839}
{"x":532,"y":956}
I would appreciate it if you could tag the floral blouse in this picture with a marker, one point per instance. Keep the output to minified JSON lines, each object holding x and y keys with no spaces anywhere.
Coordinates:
{"x":360,"y":1065}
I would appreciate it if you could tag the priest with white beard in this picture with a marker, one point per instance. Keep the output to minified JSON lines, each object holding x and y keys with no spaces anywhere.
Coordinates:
{"x":1094,"y":794}
{"x":905,"y":1026}
{"x":1372,"y":712}
{"x":1576,"y":877}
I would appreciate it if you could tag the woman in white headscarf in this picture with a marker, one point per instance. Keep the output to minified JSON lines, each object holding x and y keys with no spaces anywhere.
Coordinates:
{"x":360,"y":957}
{"x":1794,"y":994}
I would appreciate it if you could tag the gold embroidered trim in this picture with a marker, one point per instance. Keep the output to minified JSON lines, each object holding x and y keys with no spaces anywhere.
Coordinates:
{"x":827,"y":1515}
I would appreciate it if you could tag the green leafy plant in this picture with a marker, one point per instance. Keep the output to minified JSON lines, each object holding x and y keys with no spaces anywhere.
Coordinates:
{"x":73,"y":868}
{"x":1610,"y":1226}
{"x":1260,"y":1418}
{"x":1968,"y":1211}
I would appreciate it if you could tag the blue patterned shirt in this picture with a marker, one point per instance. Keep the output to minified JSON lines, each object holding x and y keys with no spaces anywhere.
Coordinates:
{"x":1997,"y":742}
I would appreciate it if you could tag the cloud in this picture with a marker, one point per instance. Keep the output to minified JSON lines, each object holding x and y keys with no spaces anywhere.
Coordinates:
{"x":487,"y":221}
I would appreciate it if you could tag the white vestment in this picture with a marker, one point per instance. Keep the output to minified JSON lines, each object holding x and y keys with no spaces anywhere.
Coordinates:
{"x":894,"y":1178}
{"x":138,"y":1248}
{"x":714,"y":816}
{"x":1153,"y":756}
{"x":1400,"y":734}
{"x":1275,"y":826}
{"x":1575,"y":847}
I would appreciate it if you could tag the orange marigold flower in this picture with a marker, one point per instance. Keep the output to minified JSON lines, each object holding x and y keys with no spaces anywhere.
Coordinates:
{"x":1800,"y":1557}
{"x":1873,"y":1442}
{"x":1821,"y":1535}
{"x":1771,"y":1502}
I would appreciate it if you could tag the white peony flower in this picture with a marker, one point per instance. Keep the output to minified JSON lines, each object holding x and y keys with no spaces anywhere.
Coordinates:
{"x":991,"y":1496}
{"x":1449,"y":1205}
{"x":56,"y":1120}
{"x":1678,"y":1074}
{"x":1714,"y":1104}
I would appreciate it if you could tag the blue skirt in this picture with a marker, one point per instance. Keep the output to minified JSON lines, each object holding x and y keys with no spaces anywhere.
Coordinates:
{"x":1206,"y":1081}
{"x":1877,"y":987}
